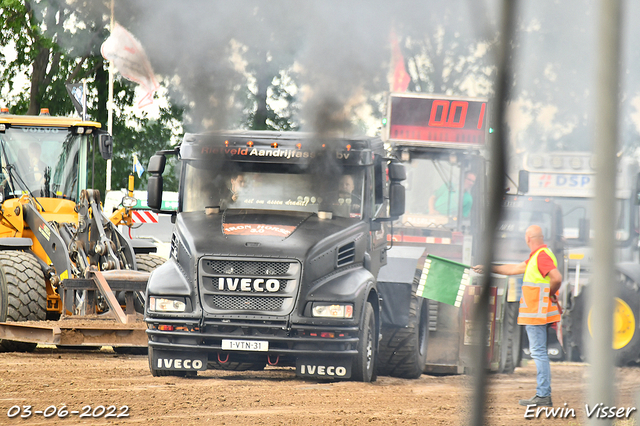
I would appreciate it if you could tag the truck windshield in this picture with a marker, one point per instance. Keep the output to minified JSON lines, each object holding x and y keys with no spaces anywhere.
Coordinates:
{"x":575,"y":209}
{"x":46,"y":159}
{"x":515,"y":222}
{"x":432,"y":192}
{"x":273,"y":187}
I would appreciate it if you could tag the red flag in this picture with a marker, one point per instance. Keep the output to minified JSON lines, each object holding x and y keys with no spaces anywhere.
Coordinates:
{"x":129,"y":58}
{"x":401,"y":78}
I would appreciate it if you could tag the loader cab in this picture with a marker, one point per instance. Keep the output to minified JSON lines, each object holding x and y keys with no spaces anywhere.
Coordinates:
{"x":443,"y":189}
{"x":46,"y":156}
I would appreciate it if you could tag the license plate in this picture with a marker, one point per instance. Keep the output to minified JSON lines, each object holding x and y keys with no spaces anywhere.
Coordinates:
{"x":245,"y":345}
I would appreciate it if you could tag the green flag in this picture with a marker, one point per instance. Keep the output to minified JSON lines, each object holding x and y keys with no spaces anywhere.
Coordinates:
{"x":443,"y":280}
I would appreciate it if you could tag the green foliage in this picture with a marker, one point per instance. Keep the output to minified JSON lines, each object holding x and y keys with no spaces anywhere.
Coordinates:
{"x":144,"y":138}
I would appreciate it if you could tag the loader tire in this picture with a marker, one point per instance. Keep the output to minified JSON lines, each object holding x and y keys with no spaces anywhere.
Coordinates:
{"x":403,"y":350}
{"x":510,"y":351}
{"x":146,"y":263}
{"x":23,"y":294}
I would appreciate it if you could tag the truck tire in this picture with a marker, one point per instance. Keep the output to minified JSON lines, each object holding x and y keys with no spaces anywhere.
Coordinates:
{"x":23,"y":294}
{"x":149,"y":262}
{"x":510,"y":351}
{"x":164,"y":373}
{"x":626,"y":332}
{"x":626,"y":338}
{"x":403,"y":350}
{"x":573,"y":330}
{"x":364,"y":365}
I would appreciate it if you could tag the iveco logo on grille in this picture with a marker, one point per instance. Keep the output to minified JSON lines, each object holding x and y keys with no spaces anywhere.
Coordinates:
{"x":248,"y":284}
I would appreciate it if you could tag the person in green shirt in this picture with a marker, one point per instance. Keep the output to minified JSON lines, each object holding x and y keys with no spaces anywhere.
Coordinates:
{"x":445,"y":196}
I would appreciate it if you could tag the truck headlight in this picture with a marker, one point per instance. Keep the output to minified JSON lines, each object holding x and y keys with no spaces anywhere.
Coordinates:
{"x":166,"y":305}
{"x":332,"y":311}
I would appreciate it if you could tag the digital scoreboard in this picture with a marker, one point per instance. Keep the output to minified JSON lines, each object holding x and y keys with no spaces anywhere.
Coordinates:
{"x":437,"y":120}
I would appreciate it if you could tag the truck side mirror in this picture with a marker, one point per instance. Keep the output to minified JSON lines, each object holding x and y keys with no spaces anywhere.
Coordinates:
{"x":156,"y":164}
{"x":155,"y":182}
{"x":397,"y":172}
{"x":637,"y":194}
{"x":523,"y":181}
{"x":396,"y":200}
{"x":584,"y":230}
{"x":105,"y":144}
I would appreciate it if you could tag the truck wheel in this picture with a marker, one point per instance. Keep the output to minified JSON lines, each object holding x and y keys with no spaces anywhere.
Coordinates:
{"x":403,"y":350}
{"x":626,"y":335}
{"x":164,"y":373}
{"x":364,"y":365}
{"x":23,"y":294}
{"x":510,"y":351}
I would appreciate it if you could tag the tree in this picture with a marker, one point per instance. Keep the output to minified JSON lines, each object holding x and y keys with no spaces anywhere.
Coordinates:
{"x":447,"y":55}
{"x":554,"y":75}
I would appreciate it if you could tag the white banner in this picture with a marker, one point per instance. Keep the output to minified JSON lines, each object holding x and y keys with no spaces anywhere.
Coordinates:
{"x":129,"y":58}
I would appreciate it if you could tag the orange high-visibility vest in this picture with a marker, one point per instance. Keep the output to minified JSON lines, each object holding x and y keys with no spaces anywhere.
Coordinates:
{"x":536,"y":307}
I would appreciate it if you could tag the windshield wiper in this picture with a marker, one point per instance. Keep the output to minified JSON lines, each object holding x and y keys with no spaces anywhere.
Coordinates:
{"x":8,"y":166}
{"x":47,"y":181}
{"x":10,"y":170}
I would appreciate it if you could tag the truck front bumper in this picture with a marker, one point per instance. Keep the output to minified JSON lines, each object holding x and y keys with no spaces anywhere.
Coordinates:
{"x":282,"y":339}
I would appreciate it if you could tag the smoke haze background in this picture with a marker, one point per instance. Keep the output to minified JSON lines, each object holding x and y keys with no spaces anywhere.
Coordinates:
{"x":338,"y":51}
{"x":335,"y":58}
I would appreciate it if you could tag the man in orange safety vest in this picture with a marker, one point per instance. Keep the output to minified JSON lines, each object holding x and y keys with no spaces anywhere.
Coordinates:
{"x":538,"y":306}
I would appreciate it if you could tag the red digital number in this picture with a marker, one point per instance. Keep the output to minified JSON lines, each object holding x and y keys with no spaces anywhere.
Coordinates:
{"x":448,"y":112}
{"x":481,"y":118}
{"x":463,"y":113}
{"x":443,"y":115}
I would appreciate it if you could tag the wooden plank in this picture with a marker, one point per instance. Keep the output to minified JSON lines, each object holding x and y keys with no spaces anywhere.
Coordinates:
{"x":114,"y":306}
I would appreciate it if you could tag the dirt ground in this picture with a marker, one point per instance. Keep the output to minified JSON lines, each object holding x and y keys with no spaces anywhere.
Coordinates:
{"x":75,"y":379}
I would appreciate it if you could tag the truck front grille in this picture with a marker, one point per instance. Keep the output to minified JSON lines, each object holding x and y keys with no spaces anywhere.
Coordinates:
{"x":235,"y":267}
{"x":243,"y":286}
{"x":244,"y":303}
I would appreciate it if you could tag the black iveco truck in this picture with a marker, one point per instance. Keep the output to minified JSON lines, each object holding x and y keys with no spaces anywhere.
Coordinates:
{"x":277,"y":244}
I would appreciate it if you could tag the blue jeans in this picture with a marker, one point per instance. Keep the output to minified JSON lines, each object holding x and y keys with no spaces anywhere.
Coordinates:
{"x":538,"y":346}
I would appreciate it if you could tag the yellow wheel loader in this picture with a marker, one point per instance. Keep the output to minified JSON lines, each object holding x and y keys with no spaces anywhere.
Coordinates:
{"x":67,"y":276}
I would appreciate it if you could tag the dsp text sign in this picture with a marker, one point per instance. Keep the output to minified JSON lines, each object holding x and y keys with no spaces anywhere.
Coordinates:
{"x":561,"y":184}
